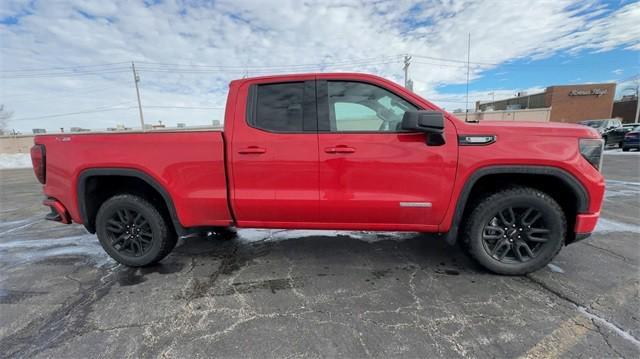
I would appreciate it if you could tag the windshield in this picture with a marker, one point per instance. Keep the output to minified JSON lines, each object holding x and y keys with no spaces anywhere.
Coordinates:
{"x":594,"y":124}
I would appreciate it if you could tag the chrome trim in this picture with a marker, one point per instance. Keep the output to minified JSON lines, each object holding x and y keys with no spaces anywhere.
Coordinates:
{"x":415,"y":204}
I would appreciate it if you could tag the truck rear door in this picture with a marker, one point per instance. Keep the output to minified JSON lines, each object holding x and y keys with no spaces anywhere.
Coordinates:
{"x":274,"y":154}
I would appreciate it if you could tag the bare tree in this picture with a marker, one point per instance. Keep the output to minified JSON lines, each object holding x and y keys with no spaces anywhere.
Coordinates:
{"x":4,"y":119}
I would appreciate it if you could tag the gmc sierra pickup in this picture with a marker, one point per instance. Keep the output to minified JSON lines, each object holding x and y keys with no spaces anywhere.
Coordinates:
{"x":331,"y":151}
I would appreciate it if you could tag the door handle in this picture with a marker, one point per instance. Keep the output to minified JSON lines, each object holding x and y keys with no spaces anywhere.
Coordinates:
{"x":340,"y":149}
{"x":252,"y":150}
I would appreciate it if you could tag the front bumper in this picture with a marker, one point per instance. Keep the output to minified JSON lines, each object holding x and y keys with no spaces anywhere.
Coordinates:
{"x":585,"y":225}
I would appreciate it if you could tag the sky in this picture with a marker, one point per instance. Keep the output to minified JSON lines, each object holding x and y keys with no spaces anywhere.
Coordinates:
{"x":68,"y":63}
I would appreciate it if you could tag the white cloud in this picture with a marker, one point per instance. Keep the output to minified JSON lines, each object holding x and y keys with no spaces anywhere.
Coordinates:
{"x":269,"y":37}
{"x":618,"y":72}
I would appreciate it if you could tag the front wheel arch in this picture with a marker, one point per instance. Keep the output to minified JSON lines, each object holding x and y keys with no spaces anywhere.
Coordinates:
{"x":560,"y":184}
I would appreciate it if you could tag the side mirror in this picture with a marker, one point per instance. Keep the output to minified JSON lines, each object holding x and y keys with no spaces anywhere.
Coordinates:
{"x":429,"y":122}
{"x":423,"y":121}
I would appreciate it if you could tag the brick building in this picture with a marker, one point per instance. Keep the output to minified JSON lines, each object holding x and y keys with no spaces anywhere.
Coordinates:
{"x":567,"y":103}
{"x":626,"y":109}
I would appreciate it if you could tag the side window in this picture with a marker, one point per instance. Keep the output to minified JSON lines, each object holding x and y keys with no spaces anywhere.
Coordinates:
{"x":356,"y":106}
{"x":279,"y":107}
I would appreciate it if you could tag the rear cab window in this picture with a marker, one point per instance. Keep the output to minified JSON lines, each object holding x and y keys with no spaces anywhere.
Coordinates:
{"x":282,"y":107}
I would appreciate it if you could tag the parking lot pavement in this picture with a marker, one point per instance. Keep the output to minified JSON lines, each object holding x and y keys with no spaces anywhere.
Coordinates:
{"x":270,"y":293}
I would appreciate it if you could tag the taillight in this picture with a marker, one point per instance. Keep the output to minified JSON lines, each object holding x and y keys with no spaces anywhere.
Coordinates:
{"x":591,"y":149}
{"x":38,"y":159}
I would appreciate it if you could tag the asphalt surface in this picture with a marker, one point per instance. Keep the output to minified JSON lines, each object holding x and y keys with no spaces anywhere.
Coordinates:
{"x":315,"y":294}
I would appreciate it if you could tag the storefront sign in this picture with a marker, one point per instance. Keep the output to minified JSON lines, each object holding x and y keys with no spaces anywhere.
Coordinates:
{"x":592,"y":92}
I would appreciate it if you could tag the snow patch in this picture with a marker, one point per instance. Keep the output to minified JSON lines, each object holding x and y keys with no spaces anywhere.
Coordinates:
{"x":626,"y":183}
{"x":623,"y":333}
{"x":607,"y":225}
{"x":622,"y":189}
{"x":34,"y":250}
{"x":254,"y":235}
{"x":15,"y":160}
{"x":554,"y":268}
{"x":619,"y":152}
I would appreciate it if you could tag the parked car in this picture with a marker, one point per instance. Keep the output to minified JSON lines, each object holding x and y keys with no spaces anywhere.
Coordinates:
{"x":632,"y":140}
{"x":617,"y":135}
{"x":607,"y":129}
{"x":332,"y":151}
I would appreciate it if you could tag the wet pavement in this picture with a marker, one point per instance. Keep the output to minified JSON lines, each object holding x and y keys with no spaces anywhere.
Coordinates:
{"x":270,"y":293}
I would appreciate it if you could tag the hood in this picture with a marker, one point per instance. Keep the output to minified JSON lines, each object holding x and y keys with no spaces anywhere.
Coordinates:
{"x":529,"y":128}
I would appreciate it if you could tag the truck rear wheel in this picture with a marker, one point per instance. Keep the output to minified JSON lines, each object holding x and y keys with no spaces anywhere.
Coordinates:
{"x":515,"y":231}
{"x":133,"y":232}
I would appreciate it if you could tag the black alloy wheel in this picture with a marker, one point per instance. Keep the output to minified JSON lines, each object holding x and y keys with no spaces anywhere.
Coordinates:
{"x":515,"y":234}
{"x":133,"y":231}
{"x":515,"y":231}
{"x":130,"y":232}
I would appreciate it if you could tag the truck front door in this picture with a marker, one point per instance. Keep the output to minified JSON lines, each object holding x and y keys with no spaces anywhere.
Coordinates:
{"x":373,"y":174}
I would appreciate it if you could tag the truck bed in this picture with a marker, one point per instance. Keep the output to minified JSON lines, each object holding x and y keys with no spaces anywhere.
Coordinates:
{"x":189,"y":165}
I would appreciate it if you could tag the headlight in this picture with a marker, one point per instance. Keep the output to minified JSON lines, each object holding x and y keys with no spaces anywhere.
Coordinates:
{"x":591,"y":149}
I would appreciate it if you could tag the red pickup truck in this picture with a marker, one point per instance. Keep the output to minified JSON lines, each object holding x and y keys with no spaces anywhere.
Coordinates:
{"x":331,"y":151}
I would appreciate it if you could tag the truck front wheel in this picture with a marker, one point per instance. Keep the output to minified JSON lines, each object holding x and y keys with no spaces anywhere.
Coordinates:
{"x":515,"y":231}
{"x":133,"y":232}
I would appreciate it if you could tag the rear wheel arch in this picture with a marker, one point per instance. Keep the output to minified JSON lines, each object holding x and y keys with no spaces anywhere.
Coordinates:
{"x":120,"y":180}
{"x":558,"y":183}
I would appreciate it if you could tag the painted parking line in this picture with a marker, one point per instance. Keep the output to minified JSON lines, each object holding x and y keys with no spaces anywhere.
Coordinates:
{"x":574,"y":329}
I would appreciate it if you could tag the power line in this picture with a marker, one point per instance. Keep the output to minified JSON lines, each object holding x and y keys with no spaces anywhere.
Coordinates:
{"x":63,"y":68}
{"x":319,"y":64}
{"x":73,"y":113}
{"x":455,"y":60}
{"x":114,"y":108}
{"x":443,"y":65}
{"x":94,"y":110}
{"x":65,"y":74}
{"x":65,"y":96}
{"x":262,"y":71}
{"x":187,"y":107}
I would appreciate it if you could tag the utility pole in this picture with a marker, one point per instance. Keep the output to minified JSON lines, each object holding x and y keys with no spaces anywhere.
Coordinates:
{"x":407,"y":62}
{"x":136,"y":79}
{"x":466,"y":108}
{"x":637,"y":103}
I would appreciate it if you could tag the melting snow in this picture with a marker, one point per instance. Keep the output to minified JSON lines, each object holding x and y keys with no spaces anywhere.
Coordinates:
{"x":34,"y":250}
{"x":15,"y":160}
{"x":623,"y":333}
{"x":608,"y":225}
{"x":253,"y":235}
{"x":619,"y":152}
{"x":555,"y":268}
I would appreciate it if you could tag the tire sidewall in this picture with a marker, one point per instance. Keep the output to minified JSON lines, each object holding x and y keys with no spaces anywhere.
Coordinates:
{"x":156,"y":222}
{"x":553,"y":219}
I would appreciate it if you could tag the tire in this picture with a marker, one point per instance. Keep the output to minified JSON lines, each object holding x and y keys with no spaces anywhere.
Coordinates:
{"x":604,"y":138}
{"x":620,"y":144}
{"x":625,"y":149}
{"x":535,"y":220}
{"x":133,"y":232}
